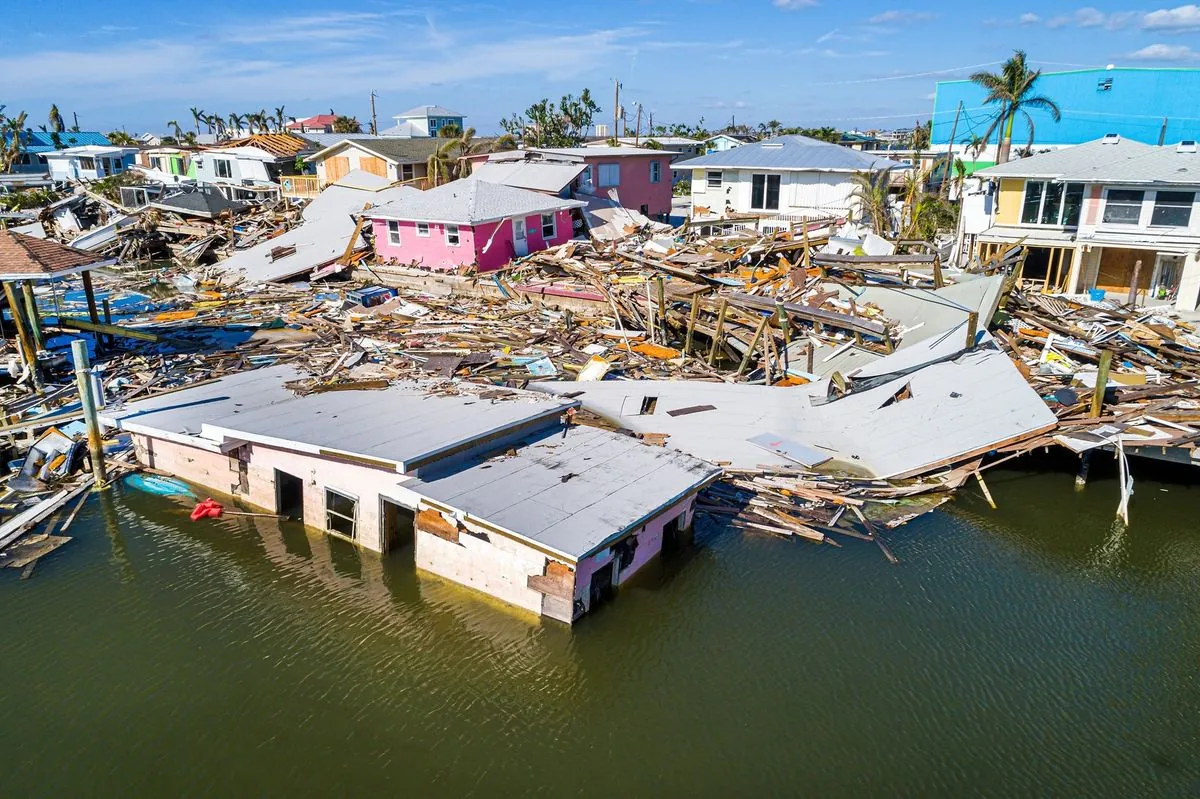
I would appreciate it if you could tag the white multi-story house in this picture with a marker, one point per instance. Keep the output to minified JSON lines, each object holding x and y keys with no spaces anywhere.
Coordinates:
{"x":251,"y":168}
{"x":89,"y":162}
{"x":790,"y":177}
{"x":1096,"y":215}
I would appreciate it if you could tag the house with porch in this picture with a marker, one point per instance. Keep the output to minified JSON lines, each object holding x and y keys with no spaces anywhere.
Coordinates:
{"x":397,"y":159}
{"x":487,"y":487}
{"x":1112,"y":215}
{"x":251,"y":168}
{"x":785,"y":178}
{"x":89,"y":162}
{"x":424,"y":121}
{"x":469,"y":222}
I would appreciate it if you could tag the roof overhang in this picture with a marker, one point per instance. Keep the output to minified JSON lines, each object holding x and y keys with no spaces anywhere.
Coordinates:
{"x":74,"y":270}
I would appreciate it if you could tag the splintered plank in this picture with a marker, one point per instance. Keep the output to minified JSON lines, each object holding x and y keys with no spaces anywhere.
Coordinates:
{"x":22,"y":554}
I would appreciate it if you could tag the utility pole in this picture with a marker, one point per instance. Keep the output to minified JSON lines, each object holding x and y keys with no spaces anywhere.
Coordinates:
{"x":616,"y":107}
{"x":637,"y":130}
{"x":374,"y":121}
{"x":949,"y":151}
{"x":1162,"y":133}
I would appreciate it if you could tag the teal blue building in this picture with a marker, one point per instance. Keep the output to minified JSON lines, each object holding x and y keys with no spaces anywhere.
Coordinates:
{"x":1144,"y":104}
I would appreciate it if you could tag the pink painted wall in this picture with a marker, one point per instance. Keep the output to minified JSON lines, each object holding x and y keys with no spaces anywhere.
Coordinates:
{"x":432,"y":252}
{"x":650,"y":541}
{"x":636,"y":189}
{"x":1092,"y":205}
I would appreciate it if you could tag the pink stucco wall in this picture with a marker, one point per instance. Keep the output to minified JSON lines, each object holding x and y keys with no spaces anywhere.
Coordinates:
{"x":496,"y":238}
{"x":1092,"y":206}
{"x":636,"y":189}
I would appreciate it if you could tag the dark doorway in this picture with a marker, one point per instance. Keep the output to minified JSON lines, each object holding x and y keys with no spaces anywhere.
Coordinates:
{"x":672,"y":538}
{"x":396,"y":526}
{"x":289,"y":495}
{"x":601,"y":587}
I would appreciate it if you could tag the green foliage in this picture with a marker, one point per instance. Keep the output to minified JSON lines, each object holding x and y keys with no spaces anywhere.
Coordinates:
{"x":831,"y":135}
{"x":120,"y":138}
{"x":30,"y":198}
{"x":1012,"y":89}
{"x":110,"y":187}
{"x":873,"y":191}
{"x":345,"y":124}
{"x":920,"y":136}
{"x":683,"y":188}
{"x":545,"y":124}
{"x":652,"y":144}
{"x":450,"y":131}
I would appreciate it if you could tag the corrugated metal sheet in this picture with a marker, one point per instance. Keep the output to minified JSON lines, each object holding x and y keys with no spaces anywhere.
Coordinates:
{"x":1134,"y":106}
{"x":791,"y":153}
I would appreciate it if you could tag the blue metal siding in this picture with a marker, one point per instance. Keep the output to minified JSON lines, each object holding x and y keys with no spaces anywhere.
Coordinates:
{"x":1134,"y":107}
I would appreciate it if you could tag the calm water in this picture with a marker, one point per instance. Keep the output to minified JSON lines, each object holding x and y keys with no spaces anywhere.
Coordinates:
{"x":1030,"y":651}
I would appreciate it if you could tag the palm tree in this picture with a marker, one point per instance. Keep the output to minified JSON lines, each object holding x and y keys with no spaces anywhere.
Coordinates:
{"x":12,"y":140}
{"x":1012,"y":89}
{"x":176,"y":131}
{"x":56,"y":120}
{"x":345,"y":124}
{"x":280,"y":118}
{"x":504,"y":143}
{"x":197,"y":117}
{"x":236,"y":121}
{"x":873,"y":192}
{"x":121,"y":139}
{"x":450,"y":131}
{"x":189,"y":139}
{"x":440,"y":166}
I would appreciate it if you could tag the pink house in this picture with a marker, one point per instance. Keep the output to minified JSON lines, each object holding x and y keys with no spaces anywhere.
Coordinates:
{"x":469,"y":222}
{"x":641,"y":178}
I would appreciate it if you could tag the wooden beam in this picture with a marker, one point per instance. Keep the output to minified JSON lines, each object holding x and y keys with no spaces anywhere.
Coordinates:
{"x":28,"y":353}
{"x":112,"y":330}
{"x":838,"y":320}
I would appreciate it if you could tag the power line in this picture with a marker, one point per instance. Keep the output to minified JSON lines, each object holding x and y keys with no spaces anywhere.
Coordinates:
{"x":907,"y":76}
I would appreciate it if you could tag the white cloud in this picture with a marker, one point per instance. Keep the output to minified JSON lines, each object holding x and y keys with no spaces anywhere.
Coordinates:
{"x":1086,"y":17}
{"x":1173,"y":20}
{"x":900,"y":17}
{"x":1090,"y":18}
{"x":792,"y":5}
{"x":1029,"y":19}
{"x":1165,"y":52}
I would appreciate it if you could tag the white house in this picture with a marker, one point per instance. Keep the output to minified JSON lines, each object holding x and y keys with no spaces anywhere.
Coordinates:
{"x":725,"y":141}
{"x":789,"y":177}
{"x":395,"y":158}
{"x":89,"y":162}
{"x":1104,"y":216}
{"x":249,"y":168}
{"x":423,"y":121}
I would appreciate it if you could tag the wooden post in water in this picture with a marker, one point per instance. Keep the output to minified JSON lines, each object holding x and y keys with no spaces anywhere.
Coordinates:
{"x":35,"y":323}
{"x":1085,"y":462}
{"x":90,"y":415}
{"x":1101,"y":384}
{"x":1133,"y":285}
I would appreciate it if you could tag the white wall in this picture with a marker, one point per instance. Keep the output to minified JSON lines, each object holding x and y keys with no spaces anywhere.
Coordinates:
{"x":356,"y":156}
{"x":809,"y":194}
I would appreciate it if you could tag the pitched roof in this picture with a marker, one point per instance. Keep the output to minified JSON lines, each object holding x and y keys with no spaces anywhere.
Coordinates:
{"x":40,"y":141}
{"x":797,"y":153}
{"x":319,"y":119}
{"x":428,"y":111}
{"x":281,"y":145}
{"x":1069,"y":159}
{"x":533,"y":175}
{"x":398,"y":151}
{"x":197,"y":201}
{"x":592,"y":152}
{"x":470,"y":202}
{"x":24,"y":257}
{"x":1157,"y":165}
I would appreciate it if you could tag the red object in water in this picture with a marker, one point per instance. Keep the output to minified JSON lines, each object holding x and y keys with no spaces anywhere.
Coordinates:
{"x":208,"y":509}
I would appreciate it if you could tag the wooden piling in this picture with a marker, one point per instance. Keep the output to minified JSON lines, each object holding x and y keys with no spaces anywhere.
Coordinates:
{"x":750,"y":349}
{"x":972,"y":328}
{"x":28,"y":353}
{"x":691,"y":325}
{"x":84,"y":380}
{"x":1101,"y":384}
{"x":720,"y":331}
{"x":35,"y":322}
{"x":1133,"y":285}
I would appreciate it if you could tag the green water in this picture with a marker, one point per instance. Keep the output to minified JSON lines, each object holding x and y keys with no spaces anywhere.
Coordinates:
{"x":1029,"y":651}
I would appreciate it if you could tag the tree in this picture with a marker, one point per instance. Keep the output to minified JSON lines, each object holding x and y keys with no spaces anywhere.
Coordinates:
{"x":56,"y":120}
{"x":280,"y":119}
{"x":13,"y":139}
{"x":920,"y":137}
{"x":176,"y":131}
{"x":450,"y":131}
{"x":121,"y":139}
{"x":504,"y":143}
{"x":189,"y":139}
{"x":873,"y":192}
{"x":197,"y":117}
{"x":439,"y":167}
{"x":345,"y":124}
{"x":236,"y":121}
{"x":1013,"y":90}
{"x":547,"y":125}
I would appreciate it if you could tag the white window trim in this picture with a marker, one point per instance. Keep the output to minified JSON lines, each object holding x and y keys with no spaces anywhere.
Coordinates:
{"x":766,"y":184}
{"x":601,"y":168}
{"x":393,"y":232}
{"x":656,"y":166}
{"x":457,"y":235}
{"x":1062,"y":207}
{"x":1153,"y":202}
{"x":553,"y":226}
{"x":1144,"y":215}
{"x":708,"y":179}
{"x":425,"y":226}
{"x":353,"y":521}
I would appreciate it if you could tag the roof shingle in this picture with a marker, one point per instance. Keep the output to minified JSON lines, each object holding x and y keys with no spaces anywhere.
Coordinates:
{"x":25,"y":257}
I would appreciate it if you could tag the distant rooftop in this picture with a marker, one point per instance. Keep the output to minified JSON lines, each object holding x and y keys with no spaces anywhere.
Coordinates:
{"x":470,"y":202}
{"x":1108,"y":160}
{"x":796,"y":153}
{"x":428,"y":111}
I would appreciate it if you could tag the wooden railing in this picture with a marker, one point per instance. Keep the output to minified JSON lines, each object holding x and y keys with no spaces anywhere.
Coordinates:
{"x":299,"y":185}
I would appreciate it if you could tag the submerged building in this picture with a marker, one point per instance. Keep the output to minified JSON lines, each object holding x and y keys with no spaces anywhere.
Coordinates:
{"x":493,"y":487}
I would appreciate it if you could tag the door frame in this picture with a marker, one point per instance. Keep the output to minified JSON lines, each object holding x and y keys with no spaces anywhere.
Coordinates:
{"x":523,"y":247}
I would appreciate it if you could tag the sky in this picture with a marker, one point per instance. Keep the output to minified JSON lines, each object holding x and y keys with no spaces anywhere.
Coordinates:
{"x":136,"y":64}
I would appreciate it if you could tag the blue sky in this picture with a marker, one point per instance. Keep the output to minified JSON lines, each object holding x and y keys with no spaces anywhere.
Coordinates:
{"x":136,"y":64}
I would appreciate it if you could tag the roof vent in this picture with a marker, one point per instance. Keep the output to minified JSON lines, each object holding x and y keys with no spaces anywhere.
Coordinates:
{"x":772,"y":144}
{"x":1104,"y":85}
{"x":1111,"y":138}
{"x":1186,"y":146}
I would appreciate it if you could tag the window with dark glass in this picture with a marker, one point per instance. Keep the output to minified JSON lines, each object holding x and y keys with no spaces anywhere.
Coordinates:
{"x":340,"y":513}
{"x":1033,"y":201}
{"x":1048,"y":203}
{"x":1173,"y":208}
{"x":1123,"y":206}
{"x":1051,"y":204}
{"x":1072,"y":204}
{"x":764,"y":192}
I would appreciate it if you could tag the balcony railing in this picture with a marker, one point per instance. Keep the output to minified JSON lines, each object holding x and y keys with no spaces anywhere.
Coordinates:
{"x":299,"y":186}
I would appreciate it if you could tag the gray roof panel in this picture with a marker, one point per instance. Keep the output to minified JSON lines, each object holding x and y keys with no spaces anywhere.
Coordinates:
{"x":470,"y":202}
{"x":796,"y":153}
{"x":1067,"y":160}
